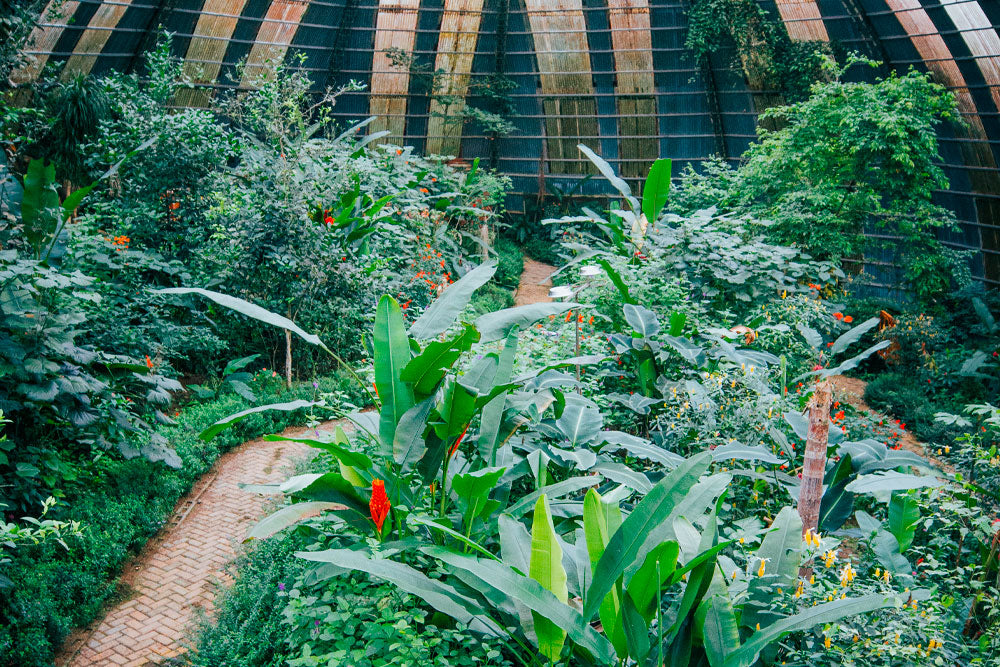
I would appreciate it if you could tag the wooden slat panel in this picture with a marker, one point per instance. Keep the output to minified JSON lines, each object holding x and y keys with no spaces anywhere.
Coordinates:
{"x":395,"y":28}
{"x":275,"y":35}
{"x":43,"y":39}
{"x":93,"y":39}
{"x":203,"y":60}
{"x":981,"y":38}
{"x":932,"y":48}
{"x":631,"y":38}
{"x":455,"y":52}
{"x":559,"y":30}
{"x":803,"y":20}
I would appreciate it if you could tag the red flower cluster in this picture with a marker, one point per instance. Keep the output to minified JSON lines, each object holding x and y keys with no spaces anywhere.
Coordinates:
{"x":379,"y":504}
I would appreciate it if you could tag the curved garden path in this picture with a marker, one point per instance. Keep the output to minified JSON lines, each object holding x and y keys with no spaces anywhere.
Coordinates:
{"x":176,"y":573}
{"x":535,"y":283}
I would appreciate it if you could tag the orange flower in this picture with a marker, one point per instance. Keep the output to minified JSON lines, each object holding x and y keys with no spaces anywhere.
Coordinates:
{"x":149,"y":362}
{"x":174,"y":205}
{"x":838,"y":316}
{"x":379,"y":505}
{"x":848,"y":319}
{"x":328,"y":220}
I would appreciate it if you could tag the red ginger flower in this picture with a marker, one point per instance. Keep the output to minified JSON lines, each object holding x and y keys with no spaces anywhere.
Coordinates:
{"x":454,"y":448}
{"x":379,"y":505}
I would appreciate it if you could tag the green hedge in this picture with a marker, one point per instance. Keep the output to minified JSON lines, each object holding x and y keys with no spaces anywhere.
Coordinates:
{"x":121,"y":504}
{"x":510,"y":262}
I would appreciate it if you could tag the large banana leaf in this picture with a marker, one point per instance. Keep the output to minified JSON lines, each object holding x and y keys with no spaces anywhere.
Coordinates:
{"x":837,"y":503}
{"x":546,"y":568}
{"x":625,"y":544}
{"x":567,"y":486}
{"x":224,"y":423}
{"x":720,"y":632}
{"x":580,"y":422}
{"x":642,"y":320}
{"x":335,"y":449}
{"x":248,"y":309}
{"x":904,"y":513}
{"x":392,"y":354}
{"x":492,"y":414}
{"x":446,"y":308}
{"x":852,"y":336}
{"x":892,"y":481}
{"x":434,"y":592}
{"x":608,"y":172}
{"x":779,"y":550}
{"x":288,"y":516}
{"x":640,"y":448}
{"x":600,"y":521}
{"x":408,"y":443}
{"x":496,"y":325}
{"x":530,"y":593}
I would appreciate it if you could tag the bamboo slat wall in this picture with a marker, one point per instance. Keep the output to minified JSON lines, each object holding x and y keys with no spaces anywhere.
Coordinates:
{"x":395,"y":30}
{"x":94,"y":38}
{"x":560,"y":33}
{"x":612,"y":74}
{"x":631,"y":38}
{"x":207,"y":49}
{"x":43,"y":39}
{"x":273,"y":39}
{"x":455,"y":52}
{"x":803,"y":20}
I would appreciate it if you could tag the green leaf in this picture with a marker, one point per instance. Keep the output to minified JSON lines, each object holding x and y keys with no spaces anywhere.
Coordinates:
{"x":288,"y":516}
{"x":496,"y":325}
{"x":232,"y":420}
{"x":852,"y":336}
{"x":636,"y":630}
{"x":656,"y":189}
{"x":492,"y":414}
{"x":408,"y":444}
{"x":837,"y":503}
{"x":600,"y":521}
{"x":426,"y":370}
{"x":547,"y":569}
{"x":446,"y":308}
{"x":602,"y":166}
{"x":813,"y":338}
{"x":567,"y":486}
{"x":473,"y":490}
{"x":780,"y":550}
{"x":643,"y":585}
{"x":457,"y":407}
{"x":720,"y":631}
{"x":238,"y":364}
{"x":580,"y":422}
{"x":883,"y":543}
{"x":739,"y":451}
{"x":829,"y":612}
{"x":677,"y":321}
{"x":892,"y":481}
{"x":39,"y":196}
{"x":640,"y":448}
{"x":904,"y":513}
{"x":347,"y":456}
{"x":248,"y":309}
{"x":439,"y":595}
{"x":531,"y":594}
{"x":617,"y":281}
{"x":642,"y":320}
{"x":625,"y":544}
{"x":392,"y":353}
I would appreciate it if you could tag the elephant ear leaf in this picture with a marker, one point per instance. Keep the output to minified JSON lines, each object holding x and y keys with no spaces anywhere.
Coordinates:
{"x":852,"y":336}
{"x":547,"y":569}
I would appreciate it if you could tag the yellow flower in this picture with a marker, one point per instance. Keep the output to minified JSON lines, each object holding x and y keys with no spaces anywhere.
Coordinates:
{"x":758,"y":627}
{"x":847,"y":575}
{"x":826,"y":642}
{"x":828,"y":558}
{"x":812,"y":579}
{"x":760,"y":570}
{"x":800,"y":588}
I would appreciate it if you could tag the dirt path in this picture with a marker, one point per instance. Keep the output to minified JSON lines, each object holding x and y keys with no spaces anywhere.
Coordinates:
{"x":852,"y":391}
{"x":535,"y":283}
{"x":175,"y":574}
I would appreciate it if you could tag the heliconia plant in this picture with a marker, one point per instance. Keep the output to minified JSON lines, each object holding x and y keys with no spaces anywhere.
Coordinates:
{"x":501,"y":503}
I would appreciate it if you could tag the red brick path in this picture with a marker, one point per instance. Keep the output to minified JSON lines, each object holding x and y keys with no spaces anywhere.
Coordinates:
{"x":176,"y":573}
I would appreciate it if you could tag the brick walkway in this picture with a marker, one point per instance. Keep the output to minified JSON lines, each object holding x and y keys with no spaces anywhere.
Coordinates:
{"x":176,"y":573}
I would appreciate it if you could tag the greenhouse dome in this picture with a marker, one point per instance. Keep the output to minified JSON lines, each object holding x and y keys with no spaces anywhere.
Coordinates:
{"x":629,"y":78}
{"x":499,"y":333}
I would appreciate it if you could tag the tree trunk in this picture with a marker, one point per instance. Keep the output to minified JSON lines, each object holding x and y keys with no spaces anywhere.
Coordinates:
{"x":814,"y":467}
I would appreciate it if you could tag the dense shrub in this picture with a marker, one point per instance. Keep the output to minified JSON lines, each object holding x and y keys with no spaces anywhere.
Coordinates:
{"x":121,"y":503}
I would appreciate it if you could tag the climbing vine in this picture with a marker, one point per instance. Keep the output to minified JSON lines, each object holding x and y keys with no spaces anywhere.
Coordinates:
{"x":769,"y":58}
